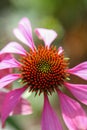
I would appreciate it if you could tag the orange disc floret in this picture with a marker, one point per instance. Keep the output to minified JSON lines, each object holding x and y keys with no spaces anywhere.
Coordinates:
{"x":43,"y":69}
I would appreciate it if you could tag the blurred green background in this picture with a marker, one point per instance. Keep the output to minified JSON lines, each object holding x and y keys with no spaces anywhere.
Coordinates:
{"x":69,"y":19}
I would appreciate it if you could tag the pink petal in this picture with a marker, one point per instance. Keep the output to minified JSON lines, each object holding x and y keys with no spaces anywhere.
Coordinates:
{"x":79,"y":91}
{"x":8,"y":79}
{"x":49,"y":117}
{"x":47,"y":35}
{"x":80,"y":70}
{"x":73,"y":114}
{"x":10,"y":101}
{"x":13,"y":47}
{"x":23,"y":107}
{"x":10,"y":63}
{"x":24,"y":32}
{"x":5,"y":57}
{"x":5,"y":71}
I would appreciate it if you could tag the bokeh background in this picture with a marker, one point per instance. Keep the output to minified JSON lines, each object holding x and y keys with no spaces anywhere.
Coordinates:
{"x":69,"y":19}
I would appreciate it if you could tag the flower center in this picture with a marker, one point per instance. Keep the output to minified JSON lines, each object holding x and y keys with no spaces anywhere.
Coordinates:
{"x":43,"y":66}
{"x":43,"y":70}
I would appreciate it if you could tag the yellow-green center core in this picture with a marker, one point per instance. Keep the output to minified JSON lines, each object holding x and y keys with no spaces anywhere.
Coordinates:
{"x":44,"y":67}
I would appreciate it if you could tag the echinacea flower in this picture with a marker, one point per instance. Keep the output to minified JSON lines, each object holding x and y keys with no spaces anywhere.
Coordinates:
{"x":23,"y":107}
{"x":44,"y":70}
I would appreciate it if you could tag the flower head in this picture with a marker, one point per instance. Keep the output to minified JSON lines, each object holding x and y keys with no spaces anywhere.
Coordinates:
{"x":44,"y":70}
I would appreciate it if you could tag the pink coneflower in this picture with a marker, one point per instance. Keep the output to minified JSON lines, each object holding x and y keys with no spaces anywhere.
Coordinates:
{"x":44,"y":70}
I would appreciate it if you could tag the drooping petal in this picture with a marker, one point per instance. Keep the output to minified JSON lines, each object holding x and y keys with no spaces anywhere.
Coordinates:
{"x":10,"y":63}
{"x":8,"y":79}
{"x":47,"y":35}
{"x":10,"y":102}
{"x":74,"y":116}
{"x":80,"y":70}
{"x":5,"y":57}
{"x":24,"y":32}
{"x":6,"y":71}
{"x":23,"y":107}
{"x":13,"y":47}
{"x":49,"y":117}
{"x":79,"y":91}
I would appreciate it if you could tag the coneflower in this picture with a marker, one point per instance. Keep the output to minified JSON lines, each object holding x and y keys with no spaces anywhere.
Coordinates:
{"x":44,"y":70}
